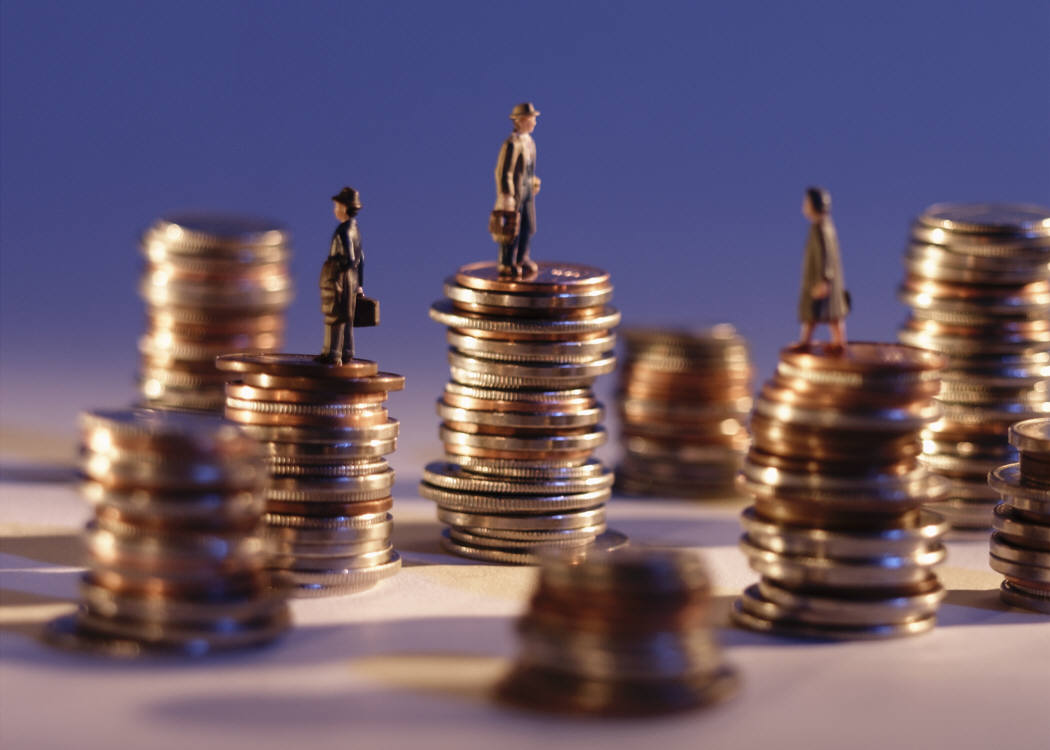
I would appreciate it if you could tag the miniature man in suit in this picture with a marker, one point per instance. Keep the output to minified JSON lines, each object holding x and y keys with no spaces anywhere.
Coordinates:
{"x":341,"y":278}
{"x":822,"y":296}
{"x":516,"y":187}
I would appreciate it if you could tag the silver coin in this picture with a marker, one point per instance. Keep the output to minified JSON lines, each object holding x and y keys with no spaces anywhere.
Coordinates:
{"x":509,"y":524}
{"x":1016,"y":596}
{"x":1022,"y":571}
{"x":1005,"y":550}
{"x":445,"y":313}
{"x":488,"y":504}
{"x":334,"y":565}
{"x":323,"y":552}
{"x":1008,"y":480}
{"x":540,"y":397}
{"x":482,"y":541}
{"x":522,"y":420}
{"x":327,"y":435}
{"x":325,"y":452}
{"x":588,"y":297}
{"x":584,"y":350}
{"x":306,"y":410}
{"x":503,"y":382}
{"x":652,"y":571}
{"x":835,"y":611}
{"x":335,"y":582}
{"x":451,"y":476}
{"x":875,"y":420}
{"x":529,"y":469}
{"x":578,"y":442}
{"x":903,"y":486}
{"x":318,"y":470}
{"x":604,"y":542}
{"x":531,"y":537}
{"x":1020,"y":530}
{"x":1031,"y":435}
{"x":963,"y":513}
{"x":332,"y":535}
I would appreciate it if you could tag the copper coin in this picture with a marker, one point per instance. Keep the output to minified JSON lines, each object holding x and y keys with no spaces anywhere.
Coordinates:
{"x":331,"y":510}
{"x":536,"y":313}
{"x":366,"y":419}
{"x":846,"y":395}
{"x":381,"y":382}
{"x":866,"y":357}
{"x":238,"y":389}
{"x":855,"y":468}
{"x":464,"y":450}
{"x":529,"y":336}
{"x":206,"y":589}
{"x":294,"y":365}
{"x":550,"y":276}
{"x":836,"y":517}
{"x":568,"y":406}
{"x":787,"y":440}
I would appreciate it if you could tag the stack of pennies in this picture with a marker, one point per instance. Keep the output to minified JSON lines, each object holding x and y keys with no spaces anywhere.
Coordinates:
{"x":978,"y":286}
{"x":1021,"y":540}
{"x":684,"y":398}
{"x":624,"y":633}
{"x":520,"y":419}
{"x":212,"y":285}
{"x":837,"y":531}
{"x":325,"y":430}
{"x":176,"y":560}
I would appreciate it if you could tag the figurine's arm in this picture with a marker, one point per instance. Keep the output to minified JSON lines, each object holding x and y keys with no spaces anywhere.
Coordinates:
{"x":506,"y":200}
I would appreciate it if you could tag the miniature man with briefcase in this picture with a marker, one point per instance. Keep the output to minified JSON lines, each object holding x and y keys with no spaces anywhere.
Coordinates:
{"x":513,"y":219}
{"x":342,"y":298}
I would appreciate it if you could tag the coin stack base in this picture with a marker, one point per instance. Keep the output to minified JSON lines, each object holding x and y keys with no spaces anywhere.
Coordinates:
{"x":325,"y":431}
{"x":837,"y":531}
{"x":978,"y":286}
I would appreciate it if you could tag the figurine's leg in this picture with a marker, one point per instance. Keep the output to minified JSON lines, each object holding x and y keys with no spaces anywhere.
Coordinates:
{"x":332,"y":336}
{"x":838,"y":333}
{"x":506,"y":258}
{"x":348,"y":329}
{"x":806,"y":338}
{"x":522,"y":262}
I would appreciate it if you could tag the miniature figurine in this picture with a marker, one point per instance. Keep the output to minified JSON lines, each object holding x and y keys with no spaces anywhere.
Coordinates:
{"x":823,"y":297}
{"x":341,"y":278}
{"x":513,"y":219}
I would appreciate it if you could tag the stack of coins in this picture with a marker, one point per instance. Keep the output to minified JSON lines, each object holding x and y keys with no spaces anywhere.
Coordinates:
{"x":619,"y":634}
{"x":1021,"y":540}
{"x":837,"y":531}
{"x":978,"y":286}
{"x":684,"y":398}
{"x":211,"y":285}
{"x":520,"y":418}
{"x":176,"y":560}
{"x":325,"y":430}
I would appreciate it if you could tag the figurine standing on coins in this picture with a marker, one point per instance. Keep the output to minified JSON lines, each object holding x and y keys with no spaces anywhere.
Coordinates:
{"x":513,"y":219}
{"x":822,"y":297}
{"x":341,"y":277}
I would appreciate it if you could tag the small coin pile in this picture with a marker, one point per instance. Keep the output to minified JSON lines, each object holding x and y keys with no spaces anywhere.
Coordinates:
{"x":325,"y":431}
{"x":978,"y":286}
{"x":1021,"y":540}
{"x":520,"y":419}
{"x":683,"y":398}
{"x":837,"y":531}
{"x":624,"y":633}
{"x":176,"y":560}
{"x":212,"y":285}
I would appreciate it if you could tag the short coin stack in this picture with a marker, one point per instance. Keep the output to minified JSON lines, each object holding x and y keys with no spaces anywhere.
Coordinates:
{"x":684,"y":398}
{"x":325,"y":430}
{"x":624,"y":633}
{"x":836,"y":531}
{"x":212,"y":285}
{"x":176,"y":560}
{"x":520,"y":418}
{"x":978,"y":286}
{"x":1021,"y":541}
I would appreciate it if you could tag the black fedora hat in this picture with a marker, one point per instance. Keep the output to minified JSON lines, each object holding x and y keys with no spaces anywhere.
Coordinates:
{"x":523,"y":110}
{"x":348,"y":197}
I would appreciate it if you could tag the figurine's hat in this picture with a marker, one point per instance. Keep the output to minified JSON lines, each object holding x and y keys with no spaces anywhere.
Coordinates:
{"x":523,"y":110}
{"x":348,"y":197}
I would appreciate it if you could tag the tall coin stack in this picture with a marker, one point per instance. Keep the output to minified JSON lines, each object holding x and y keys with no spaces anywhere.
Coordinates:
{"x":519,"y":417}
{"x":325,"y":430}
{"x":1021,"y":540}
{"x":176,"y":560}
{"x":978,"y":285}
{"x":620,"y":634}
{"x":837,"y":531}
{"x":211,"y":285}
{"x":684,"y":398}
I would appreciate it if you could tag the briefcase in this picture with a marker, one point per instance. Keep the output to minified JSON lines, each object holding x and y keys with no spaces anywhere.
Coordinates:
{"x":504,"y":226}
{"x":366,"y":312}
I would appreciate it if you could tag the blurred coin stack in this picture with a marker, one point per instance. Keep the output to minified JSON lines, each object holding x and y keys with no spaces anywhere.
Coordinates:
{"x":176,"y":560}
{"x":978,"y":285}
{"x":619,"y":634}
{"x":520,"y":420}
{"x":837,"y":531}
{"x":684,"y":398}
{"x":211,"y":285}
{"x":324,"y":429}
{"x":1021,"y":540}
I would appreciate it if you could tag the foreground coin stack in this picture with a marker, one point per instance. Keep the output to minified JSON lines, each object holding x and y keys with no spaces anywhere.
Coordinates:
{"x":1021,"y":540}
{"x":621,"y":633}
{"x":978,"y":286}
{"x":684,"y":398}
{"x":837,"y":531}
{"x":176,"y":561}
{"x":325,"y":430}
{"x":211,"y":285}
{"x":520,"y":417}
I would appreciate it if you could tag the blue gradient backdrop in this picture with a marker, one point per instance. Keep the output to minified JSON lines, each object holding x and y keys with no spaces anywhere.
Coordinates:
{"x":675,"y":141}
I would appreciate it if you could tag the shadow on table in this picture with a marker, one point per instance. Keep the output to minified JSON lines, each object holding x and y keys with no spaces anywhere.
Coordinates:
{"x":679,"y":532}
{"x":419,"y":543}
{"x":65,"y":549}
{"x":981,"y":607}
{"x":37,"y":473}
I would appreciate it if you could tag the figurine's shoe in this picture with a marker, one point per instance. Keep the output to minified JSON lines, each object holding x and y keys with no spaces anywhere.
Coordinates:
{"x":528,"y":269}
{"x":508,"y":272}
{"x":328,"y":359}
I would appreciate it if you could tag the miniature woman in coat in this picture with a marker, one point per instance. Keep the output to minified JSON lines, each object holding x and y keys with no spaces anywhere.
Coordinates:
{"x":822,"y":297}
{"x":341,"y":278}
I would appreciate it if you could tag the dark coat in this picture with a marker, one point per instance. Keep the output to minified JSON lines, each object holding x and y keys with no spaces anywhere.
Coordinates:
{"x":342,"y":273}
{"x":822,"y":262}
{"x":515,"y":168}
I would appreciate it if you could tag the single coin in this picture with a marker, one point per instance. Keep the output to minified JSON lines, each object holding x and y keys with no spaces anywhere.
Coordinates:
{"x":331,"y":437}
{"x":550,"y":277}
{"x":444,"y":312}
{"x":454,"y":477}
{"x":587,"y":296}
{"x":1031,"y":435}
{"x":529,"y":469}
{"x":865,"y":357}
{"x":282,"y":453}
{"x":238,"y":390}
{"x":587,"y":417}
{"x":294,"y":365}
{"x":218,"y":231}
{"x":610,"y":540}
{"x":381,"y":382}
{"x":1008,"y":480}
{"x":531,"y":537}
{"x":331,"y":511}
{"x":1020,"y":571}
{"x":509,"y":524}
{"x":480,"y":541}
{"x":526,"y":351}
{"x":586,"y":441}
{"x":382,"y":567}
{"x":514,"y":504}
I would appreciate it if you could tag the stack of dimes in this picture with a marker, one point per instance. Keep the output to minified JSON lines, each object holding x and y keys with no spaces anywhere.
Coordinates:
{"x":837,"y":532}
{"x":978,"y":286}
{"x":212,"y":285}
{"x":684,"y":399}
{"x":520,"y":418}
{"x":620,"y":634}
{"x":176,"y":560}
{"x":325,"y":430}
{"x":1021,"y":541}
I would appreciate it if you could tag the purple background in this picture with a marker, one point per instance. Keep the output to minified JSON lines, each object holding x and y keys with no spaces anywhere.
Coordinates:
{"x":674,"y":145}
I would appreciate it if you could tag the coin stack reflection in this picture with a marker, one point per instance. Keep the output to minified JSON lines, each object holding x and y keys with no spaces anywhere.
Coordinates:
{"x":837,"y":531}
{"x":325,"y":431}
{"x":176,"y":560}
{"x":520,"y":419}
{"x":684,"y":398}
{"x":978,"y":285}
{"x":622,"y":633}
{"x":1021,"y":540}
{"x":211,"y":285}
